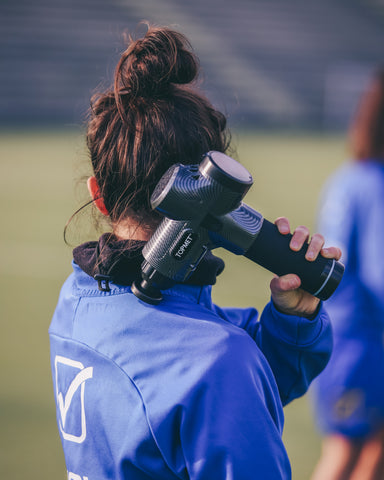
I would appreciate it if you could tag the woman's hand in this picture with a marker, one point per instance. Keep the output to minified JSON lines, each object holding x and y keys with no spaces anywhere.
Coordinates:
{"x":287,"y":295}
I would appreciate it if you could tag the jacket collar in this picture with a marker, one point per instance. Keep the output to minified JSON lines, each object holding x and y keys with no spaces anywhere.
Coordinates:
{"x":120,"y":260}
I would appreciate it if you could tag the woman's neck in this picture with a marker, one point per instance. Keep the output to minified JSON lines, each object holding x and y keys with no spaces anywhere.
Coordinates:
{"x":129,"y":229}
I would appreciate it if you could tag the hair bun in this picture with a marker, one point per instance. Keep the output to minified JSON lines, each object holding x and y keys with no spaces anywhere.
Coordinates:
{"x":151,"y":64}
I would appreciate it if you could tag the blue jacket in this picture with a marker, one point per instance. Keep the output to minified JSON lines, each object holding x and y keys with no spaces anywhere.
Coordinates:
{"x":183,"y":390}
{"x":352,"y":217}
{"x":348,"y":395}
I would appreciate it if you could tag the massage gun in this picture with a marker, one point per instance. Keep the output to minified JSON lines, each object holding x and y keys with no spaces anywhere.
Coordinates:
{"x":203,"y":210}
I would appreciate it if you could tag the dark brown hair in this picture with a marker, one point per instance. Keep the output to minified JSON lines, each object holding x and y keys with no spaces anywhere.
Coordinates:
{"x":152,"y":117}
{"x":367,"y":128}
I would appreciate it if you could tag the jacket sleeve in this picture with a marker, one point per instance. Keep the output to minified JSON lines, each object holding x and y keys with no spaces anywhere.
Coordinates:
{"x":296,"y":348}
{"x":233,"y":424}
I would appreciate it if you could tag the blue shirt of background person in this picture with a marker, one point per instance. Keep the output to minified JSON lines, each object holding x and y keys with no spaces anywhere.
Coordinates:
{"x":349,"y":394}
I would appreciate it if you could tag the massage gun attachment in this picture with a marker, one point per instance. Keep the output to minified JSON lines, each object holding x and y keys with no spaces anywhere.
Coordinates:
{"x":203,"y":209}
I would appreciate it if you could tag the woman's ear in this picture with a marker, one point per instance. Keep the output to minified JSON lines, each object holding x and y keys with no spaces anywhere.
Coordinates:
{"x":94,"y":191}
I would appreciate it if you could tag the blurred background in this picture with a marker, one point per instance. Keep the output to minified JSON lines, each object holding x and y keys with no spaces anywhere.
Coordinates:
{"x":288,"y":76}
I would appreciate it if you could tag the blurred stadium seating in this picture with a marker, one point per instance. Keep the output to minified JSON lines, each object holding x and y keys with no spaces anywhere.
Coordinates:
{"x":266,"y":63}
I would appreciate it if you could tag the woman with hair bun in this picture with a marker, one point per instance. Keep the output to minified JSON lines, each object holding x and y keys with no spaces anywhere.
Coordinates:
{"x":184,"y":389}
{"x":349,"y":394}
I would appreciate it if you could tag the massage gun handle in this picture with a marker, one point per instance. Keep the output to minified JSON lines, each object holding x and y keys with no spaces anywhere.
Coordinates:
{"x":271,"y":250}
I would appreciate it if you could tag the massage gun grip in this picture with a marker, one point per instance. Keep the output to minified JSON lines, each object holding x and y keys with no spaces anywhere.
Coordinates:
{"x":271,"y":250}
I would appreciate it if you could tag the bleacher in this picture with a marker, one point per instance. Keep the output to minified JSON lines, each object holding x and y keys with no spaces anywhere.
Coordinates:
{"x":266,"y":63}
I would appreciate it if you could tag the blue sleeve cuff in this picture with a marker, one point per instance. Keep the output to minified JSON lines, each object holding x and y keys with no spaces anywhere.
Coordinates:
{"x":292,"y":329}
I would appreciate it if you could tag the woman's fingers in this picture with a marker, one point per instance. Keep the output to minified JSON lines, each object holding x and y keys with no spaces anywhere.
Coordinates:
{"x":283,"y":226}
{"x":331,"y":252}
{"x":301,"y":236}
{"x":285,"y":283}
{"x":314,"y":247}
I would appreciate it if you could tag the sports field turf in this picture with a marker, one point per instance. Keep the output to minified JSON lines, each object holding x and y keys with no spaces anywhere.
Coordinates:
{"x":38,"y":192}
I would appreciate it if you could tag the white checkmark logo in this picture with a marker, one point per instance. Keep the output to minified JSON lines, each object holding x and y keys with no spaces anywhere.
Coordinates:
{"x":64,"y":401}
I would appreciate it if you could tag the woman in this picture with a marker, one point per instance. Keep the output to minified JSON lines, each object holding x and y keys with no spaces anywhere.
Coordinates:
{"x":350,"y":393}
{"x":185,"y":389}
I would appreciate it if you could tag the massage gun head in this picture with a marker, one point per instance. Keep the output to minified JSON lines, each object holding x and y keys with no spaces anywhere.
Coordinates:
{"x":215,"y":186}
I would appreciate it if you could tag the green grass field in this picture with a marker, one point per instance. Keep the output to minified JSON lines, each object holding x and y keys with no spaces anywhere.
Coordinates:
{"x":39,"y":190}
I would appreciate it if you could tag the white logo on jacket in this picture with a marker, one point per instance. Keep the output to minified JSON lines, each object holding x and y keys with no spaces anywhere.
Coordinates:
{"x":70,"y":388}
{"x":73,"y":476}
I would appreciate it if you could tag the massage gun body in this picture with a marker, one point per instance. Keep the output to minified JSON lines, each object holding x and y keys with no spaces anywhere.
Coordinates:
{"x":203,"y":210}
{"x":177,"y":246}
